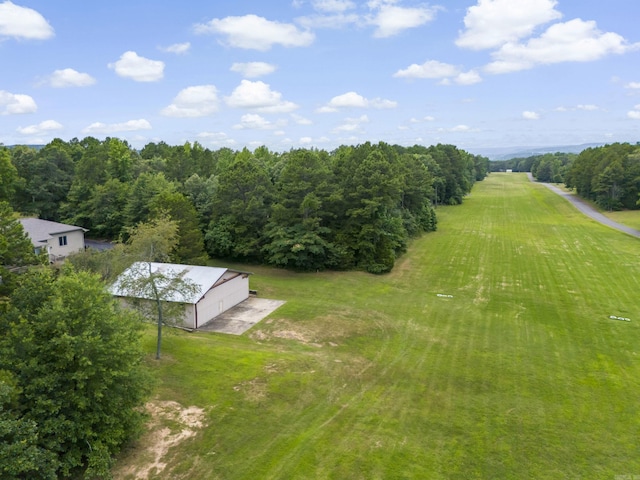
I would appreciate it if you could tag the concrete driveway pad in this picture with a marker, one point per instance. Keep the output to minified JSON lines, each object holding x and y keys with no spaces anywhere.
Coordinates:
{"x":242,"y":317}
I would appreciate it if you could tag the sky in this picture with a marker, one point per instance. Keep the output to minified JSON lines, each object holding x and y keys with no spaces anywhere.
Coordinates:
{"x":286,"y":74}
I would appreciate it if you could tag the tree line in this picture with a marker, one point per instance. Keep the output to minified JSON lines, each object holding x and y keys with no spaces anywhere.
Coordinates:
{"x":608,"y":175}
{"x":355,"y":207}
{"x":547,"y":167}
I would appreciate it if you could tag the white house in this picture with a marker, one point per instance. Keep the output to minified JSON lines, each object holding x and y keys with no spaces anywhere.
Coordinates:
{"x":57,"y":239}
{"x":213,"y":290}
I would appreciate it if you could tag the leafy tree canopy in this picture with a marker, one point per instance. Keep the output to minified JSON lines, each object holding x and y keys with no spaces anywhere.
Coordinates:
{"x":79,"y":381}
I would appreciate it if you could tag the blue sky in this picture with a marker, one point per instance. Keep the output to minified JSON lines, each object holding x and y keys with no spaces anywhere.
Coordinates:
{"x":320,"y":73}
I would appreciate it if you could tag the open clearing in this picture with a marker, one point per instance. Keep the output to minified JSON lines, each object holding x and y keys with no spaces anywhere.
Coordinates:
{"x":489,"y":352}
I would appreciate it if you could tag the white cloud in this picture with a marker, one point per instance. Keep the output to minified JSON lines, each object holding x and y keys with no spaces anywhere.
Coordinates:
{"x":253,"y":121}
{"x":23,"y":22}
{"x":355,"y":100}
{"x":300,"y":120}
{"x":68,"y":77}
{"x":305,"y":141}
{"x":391,"y":19}
{"x":492,"y":23}
{"x":586,"y":108}
{"x":334,"y":21}
{"x":333,"y":5}
{"x":468,"y":78}
{"x":529,"y":115}
{"x":259,"y":96}
{"x":138,"y":68}
{"x":457,"y":129}
{"x":109,"y":128}
{"x":177,"y":48}
{"x":445,"y":71}
{"x":253,"y":69}
{"x":352,"y":124}
{"x":42,"y":127}
{"x":16,"y":103}
{"x":572,"y":41}
{"x":429,"y":69}
{"x":216,"y":138}
{"x":428,"y":118}
{"x":635,"y":113}
{"x":633,"y":85}
{"x":196,"y":101}
{"x":257,"y":33}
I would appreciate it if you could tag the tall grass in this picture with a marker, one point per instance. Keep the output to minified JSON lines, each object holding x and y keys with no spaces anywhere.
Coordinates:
{"x":488,"y":352}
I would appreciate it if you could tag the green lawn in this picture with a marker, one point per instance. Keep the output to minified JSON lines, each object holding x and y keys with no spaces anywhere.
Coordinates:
{"x":520,"y":374}
{"x":630,"y":218}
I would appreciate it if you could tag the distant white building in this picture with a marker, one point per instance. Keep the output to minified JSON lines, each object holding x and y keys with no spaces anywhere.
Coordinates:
{"x":58,"y":240}
{"x":214,"y":290}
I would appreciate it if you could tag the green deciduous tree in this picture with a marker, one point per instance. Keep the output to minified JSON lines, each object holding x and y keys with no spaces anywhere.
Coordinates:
{"x":77,"y":363}
{"x":155,"y":241}
{"x":190,"y":244}
{"x":20,"y":455}
{"x":9,"y":178}
{"x":144,"y":189}
{"x":15,"y":247}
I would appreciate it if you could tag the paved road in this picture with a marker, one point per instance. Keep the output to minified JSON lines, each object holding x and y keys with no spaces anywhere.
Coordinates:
{"x":588,"y":210}
{"x":98,"y":244}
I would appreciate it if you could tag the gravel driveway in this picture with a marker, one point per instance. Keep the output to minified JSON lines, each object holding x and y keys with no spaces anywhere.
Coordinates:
{"x":588,"y":210}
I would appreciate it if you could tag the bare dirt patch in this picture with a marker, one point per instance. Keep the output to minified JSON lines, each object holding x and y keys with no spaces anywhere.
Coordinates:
{"x":170,"y":425}
{"x":322,"y":331}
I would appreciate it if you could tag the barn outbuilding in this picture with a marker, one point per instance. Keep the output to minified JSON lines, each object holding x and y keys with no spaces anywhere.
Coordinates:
{"x":211,"y":290}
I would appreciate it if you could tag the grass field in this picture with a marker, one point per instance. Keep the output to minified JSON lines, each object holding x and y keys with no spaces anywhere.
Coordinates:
{"x":626,"y":217}
{"x":517,"y":373}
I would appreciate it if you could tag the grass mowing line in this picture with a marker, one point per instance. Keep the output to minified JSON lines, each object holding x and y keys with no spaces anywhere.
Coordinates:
{"x":520,"y":375}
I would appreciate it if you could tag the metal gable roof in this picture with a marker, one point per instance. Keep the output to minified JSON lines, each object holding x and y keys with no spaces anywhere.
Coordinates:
{"x":200,"y":277}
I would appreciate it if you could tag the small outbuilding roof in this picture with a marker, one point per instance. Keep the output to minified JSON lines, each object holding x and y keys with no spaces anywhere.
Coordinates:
{"x":41,"y":231}
{"x":200,"y":280}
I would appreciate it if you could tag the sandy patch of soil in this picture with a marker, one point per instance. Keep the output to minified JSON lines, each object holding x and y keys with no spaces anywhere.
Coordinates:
{"x":170,"y":424}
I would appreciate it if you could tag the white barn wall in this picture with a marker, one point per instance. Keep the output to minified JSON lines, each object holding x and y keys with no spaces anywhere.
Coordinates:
{"x":222,"y":297}
{"x":148,"y":309}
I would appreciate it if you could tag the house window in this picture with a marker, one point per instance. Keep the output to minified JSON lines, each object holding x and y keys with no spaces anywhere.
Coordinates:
{"x":62,"y":240}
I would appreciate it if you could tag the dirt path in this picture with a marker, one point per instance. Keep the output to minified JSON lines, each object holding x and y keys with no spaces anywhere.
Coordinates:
{"x":588,"y":210}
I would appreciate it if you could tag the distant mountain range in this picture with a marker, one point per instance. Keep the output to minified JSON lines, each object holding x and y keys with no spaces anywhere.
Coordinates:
{"x":507,"y":153}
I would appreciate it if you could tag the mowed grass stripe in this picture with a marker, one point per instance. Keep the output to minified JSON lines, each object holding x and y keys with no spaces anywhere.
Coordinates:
{"x":521,"y":374}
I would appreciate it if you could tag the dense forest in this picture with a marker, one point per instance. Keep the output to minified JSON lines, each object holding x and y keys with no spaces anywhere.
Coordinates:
{"x":355,"y":207}
{"x":609,"y":175}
